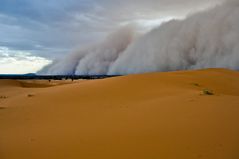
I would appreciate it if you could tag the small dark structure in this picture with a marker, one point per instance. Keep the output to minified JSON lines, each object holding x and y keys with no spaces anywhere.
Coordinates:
{"x":55,"y":77}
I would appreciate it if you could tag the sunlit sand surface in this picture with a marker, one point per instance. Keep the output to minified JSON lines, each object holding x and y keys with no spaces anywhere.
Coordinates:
{"x":148,"y":116}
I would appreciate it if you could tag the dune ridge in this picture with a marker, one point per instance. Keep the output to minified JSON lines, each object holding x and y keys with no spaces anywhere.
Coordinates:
{"x":153,"y":115}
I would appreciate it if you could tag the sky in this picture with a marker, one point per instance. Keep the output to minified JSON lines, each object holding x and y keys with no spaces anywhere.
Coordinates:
{"x":35,"y":32}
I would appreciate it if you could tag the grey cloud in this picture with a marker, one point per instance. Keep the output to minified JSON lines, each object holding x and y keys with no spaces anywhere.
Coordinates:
{"x":202,"y":40}
{"x":52,"y":28}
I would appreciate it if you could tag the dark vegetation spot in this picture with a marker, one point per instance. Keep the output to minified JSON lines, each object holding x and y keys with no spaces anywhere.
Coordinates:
{"x":208,"y":92}
{"x":3,"y":108}
{"x":3,"y":97}
{"x":30,"y":95}
{"x":220,"y":145}
{"x":196,"y":84}
{"x":32,"y":139}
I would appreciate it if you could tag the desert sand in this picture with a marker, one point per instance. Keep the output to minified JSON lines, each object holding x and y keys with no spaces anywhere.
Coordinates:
{"x":146,"y":116}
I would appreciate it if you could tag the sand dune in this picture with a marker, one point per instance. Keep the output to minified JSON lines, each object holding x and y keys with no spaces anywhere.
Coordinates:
{"x":147,"y":116}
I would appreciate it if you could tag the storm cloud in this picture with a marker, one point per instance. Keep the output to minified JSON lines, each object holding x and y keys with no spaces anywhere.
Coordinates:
{"x":205,"y":39}
{"x":54,"y":28}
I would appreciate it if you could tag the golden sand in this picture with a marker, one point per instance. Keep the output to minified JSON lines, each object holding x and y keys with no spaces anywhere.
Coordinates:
{"x":148,"y":116}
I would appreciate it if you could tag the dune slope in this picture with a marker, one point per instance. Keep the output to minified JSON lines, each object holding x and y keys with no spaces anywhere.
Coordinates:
{"x":148,"y":116}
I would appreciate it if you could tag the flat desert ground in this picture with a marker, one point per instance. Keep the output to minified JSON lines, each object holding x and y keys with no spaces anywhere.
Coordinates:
{"x":147,"y":116}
